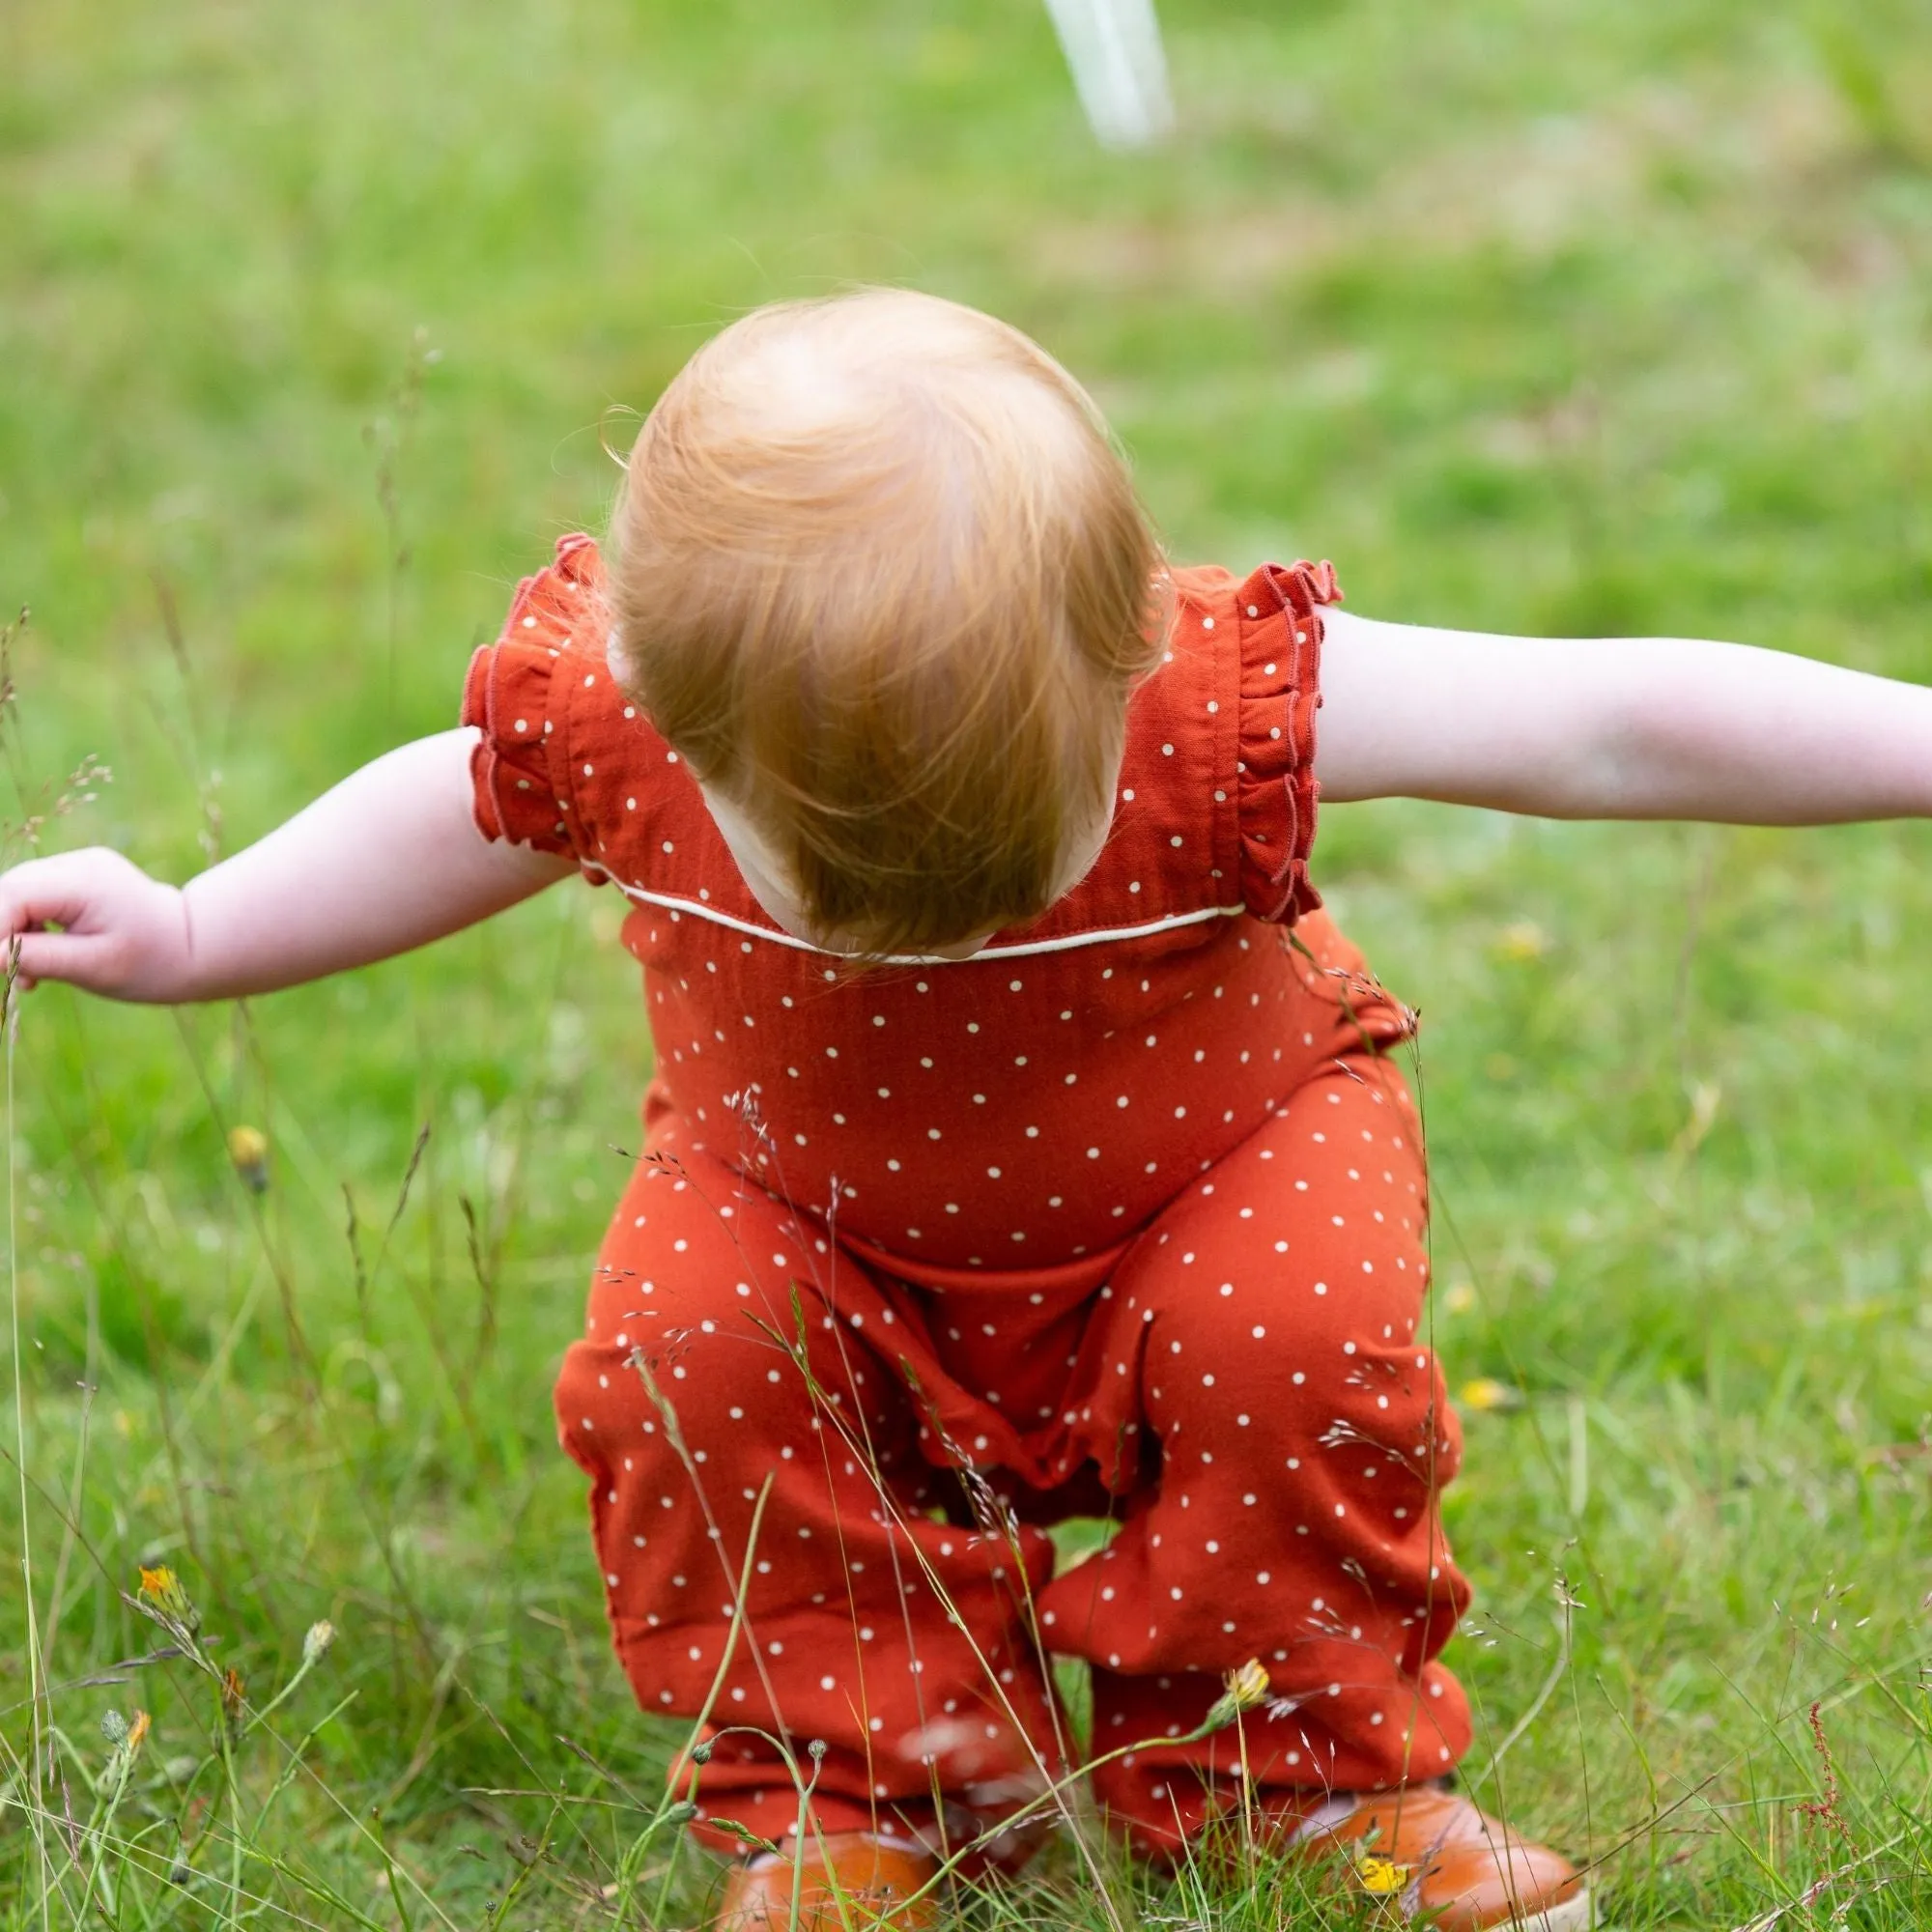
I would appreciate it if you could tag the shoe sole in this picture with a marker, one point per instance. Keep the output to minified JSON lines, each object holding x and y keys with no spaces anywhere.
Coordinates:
{"x":1573,"y":1914}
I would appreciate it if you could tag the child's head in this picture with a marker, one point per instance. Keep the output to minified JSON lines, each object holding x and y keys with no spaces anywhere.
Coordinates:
{"x":881,"y":578}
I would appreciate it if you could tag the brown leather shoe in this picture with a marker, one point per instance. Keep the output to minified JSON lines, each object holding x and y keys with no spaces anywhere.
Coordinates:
{"x":1430,"y":1852}
{"x":873,"y":1876}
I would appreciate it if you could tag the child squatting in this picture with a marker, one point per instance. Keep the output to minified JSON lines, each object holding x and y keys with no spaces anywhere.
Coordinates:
{"x":1024,"y":1140}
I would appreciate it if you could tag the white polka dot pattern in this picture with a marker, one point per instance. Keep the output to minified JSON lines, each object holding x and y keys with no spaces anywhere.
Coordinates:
{"x":1129,"y":1201}
{"x":1272,"y":1452}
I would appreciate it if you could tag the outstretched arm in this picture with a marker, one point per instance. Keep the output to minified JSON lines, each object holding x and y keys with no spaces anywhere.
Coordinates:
{"x":389,"y":859}
{"x":1621,"y":727}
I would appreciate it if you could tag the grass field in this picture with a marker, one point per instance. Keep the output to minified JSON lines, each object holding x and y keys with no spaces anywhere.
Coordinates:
{"x":1543,"y":316}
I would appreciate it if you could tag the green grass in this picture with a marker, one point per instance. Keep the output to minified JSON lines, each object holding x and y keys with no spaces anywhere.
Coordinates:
{"x":1539,"y":316}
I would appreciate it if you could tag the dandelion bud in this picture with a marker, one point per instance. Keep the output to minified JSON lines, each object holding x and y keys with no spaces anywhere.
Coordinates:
{"x":248,"y":1149}
{"x":1247,"y":1686}
{"x":680,"y":1813}
{"x":161,"y":1593}
{"x":315,"y":1646}
{"x":700,"y":1753}
{"x":124,"y":1748}
{"x":815,"y":1751}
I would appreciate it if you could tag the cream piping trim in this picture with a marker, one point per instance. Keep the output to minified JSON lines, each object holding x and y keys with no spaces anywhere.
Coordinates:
{"x":1066,"y":943}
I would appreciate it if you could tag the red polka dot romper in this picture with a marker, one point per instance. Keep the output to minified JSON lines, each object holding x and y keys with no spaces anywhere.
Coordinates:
{"x":1122,"y":1217}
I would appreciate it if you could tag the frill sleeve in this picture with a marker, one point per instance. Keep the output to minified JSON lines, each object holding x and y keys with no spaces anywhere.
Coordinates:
{"x":1280,"y":608}
{"x":517,"y":695}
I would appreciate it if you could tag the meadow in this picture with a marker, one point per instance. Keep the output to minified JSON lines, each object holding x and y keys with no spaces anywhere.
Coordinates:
{"x":1537,"y":315}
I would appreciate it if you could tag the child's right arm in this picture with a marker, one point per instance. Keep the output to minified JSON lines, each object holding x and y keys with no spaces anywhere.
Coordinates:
{"x":389,"y":859}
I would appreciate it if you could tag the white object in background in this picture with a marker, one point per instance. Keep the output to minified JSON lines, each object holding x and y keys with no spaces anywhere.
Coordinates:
{"x":1120,"y":70}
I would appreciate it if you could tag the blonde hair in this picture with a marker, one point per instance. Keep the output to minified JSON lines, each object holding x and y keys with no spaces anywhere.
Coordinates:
{"x":881,"y":576}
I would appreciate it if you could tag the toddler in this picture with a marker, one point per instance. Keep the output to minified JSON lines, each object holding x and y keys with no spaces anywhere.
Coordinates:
{"x":1024,"y":1141}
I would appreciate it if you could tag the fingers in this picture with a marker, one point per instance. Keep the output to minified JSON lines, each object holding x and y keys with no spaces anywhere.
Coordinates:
{"x":24,"y":903}
{"x":92,"y":961}
{"x":29,"y":894}
{"x":88,"y":896}
{"x":60,"y":891}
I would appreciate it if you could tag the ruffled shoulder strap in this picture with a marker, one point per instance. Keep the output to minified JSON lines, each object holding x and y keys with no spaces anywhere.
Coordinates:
{"x":1279,"y":612}
{"x":518,"y":695}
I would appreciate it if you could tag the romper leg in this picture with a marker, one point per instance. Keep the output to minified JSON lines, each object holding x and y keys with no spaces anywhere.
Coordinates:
{"x":715,"y":1294}
{"x":1264,"y":1330}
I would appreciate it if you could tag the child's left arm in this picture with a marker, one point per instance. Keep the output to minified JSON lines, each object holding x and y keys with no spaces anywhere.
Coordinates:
{"x":1619,"y":728}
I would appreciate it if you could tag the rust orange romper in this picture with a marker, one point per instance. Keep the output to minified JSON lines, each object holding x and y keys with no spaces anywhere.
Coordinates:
{"x":1123,"y":1216}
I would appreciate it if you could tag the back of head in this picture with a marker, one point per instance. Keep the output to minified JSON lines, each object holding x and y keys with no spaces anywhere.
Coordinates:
{"x":882,"y":579}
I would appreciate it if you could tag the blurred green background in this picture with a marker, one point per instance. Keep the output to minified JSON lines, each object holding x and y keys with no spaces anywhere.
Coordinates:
{"x":1541,"y":316}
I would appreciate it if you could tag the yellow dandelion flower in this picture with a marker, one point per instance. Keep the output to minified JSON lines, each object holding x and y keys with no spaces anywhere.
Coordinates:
{"x":137,"y":1731}
{"x":161,"y":1593}
{"x":1460,"y":1299}
{"x":1486,"y":1394}
{"x":1381,"y":1877}
{"x":161,"y":1586}
{"x":1523,"y":941}
{"x":248,"y":1149}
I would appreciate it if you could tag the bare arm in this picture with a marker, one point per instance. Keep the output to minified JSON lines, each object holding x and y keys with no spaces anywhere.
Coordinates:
{"x":389,"y":859}
{"x":1623,"y":727}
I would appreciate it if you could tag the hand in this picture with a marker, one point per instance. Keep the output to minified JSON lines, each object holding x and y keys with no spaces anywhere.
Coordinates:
{"x":389,"y":859}
{"x":121,"y":933}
